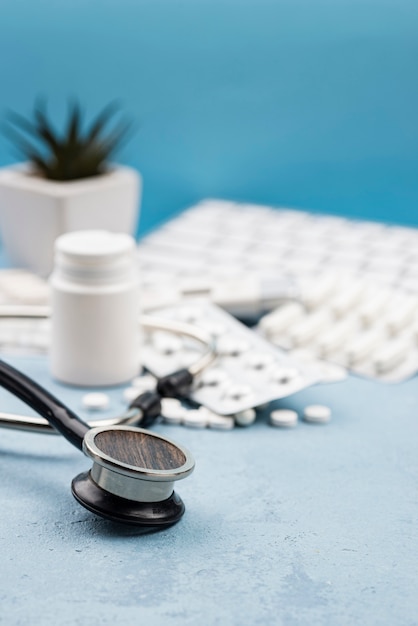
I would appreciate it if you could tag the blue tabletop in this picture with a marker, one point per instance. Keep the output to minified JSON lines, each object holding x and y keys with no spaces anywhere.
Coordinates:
{"x":312,"y":525}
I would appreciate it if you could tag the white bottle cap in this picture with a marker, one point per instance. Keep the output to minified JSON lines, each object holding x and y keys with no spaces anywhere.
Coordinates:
{"x":94,"y":256}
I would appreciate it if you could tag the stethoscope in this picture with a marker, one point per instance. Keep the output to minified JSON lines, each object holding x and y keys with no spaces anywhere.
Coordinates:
{"x":134,"y":470}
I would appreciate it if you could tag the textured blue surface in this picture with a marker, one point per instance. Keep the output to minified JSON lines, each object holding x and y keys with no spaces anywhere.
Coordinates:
{"x":315,"y":525}
{"x":307,"y":103}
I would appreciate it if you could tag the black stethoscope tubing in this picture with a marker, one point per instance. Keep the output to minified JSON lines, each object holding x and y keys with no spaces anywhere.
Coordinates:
{"x":44,"y":403}
{"x":52,"y":410}
{"x":116,"y":487}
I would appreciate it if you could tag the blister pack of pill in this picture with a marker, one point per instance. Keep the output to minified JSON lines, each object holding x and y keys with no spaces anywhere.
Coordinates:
{"x":248,"y":371}
{"x":246,"y":258}
{"x":20,"y":288}
{"x":250,"y":259}
{"x":370,"y":329}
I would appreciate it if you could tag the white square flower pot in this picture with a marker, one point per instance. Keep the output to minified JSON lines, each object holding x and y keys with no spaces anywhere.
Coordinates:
{"x":35,"y":211}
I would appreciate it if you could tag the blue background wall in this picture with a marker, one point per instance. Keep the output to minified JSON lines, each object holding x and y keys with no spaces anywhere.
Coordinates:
{"x":307,"y":103}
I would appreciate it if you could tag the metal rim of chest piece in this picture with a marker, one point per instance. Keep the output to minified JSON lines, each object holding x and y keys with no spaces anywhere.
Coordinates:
{"x":133,"y":475}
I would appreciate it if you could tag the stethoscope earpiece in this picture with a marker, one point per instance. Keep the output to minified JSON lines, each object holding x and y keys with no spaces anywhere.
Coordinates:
{"x":133,"y":475}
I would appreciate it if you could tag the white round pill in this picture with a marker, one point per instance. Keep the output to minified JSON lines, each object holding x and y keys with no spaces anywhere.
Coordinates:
{"x":238,"y":393}
{"x":245,"y":418}
{"x":172,"y":419}
{"x":220,"y":422}
{"x":259,"y":360}
{"x":172,"y":410}
{"x":213,"y":377}
{"x":147,"y":382}
{"x":195,"y":418}
{"x":170,"y":403}
{"x":284,"y":375}
{"x":172,"y":406}
{"x":317,"y":413}
{"x":232,"y":346}
{"x":285,"y":418}
{"x":95,"y":401}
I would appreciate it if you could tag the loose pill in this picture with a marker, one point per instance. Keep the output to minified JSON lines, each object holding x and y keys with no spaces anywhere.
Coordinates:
{"x":284,"y":418}
{"x":95,"y":401}
{"x":144,"y":383}
{"x":245,"y":418}
{"x":195,"y":418}
{"x":172,"y":410}
{"x":317,"y":413}
{"x":220,"y":422}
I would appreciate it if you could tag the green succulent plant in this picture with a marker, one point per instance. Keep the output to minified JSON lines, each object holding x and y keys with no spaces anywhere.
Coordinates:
{"x":75,"y":153}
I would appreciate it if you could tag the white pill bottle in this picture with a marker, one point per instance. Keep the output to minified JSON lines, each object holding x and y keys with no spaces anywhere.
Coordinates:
{"x":95,"y":309}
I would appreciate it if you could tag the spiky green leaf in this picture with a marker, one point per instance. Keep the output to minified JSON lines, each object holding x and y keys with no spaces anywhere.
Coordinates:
{"x":74,"y":155}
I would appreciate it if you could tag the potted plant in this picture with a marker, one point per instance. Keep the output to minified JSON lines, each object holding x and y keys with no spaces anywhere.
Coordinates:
{"x":66,"y":183}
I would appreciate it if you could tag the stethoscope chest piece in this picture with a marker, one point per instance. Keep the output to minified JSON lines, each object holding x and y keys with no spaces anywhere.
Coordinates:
{"x":133,"y":475}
